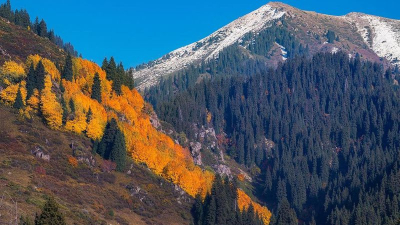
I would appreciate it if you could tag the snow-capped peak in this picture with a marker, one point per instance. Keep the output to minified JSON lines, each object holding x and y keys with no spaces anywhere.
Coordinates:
{"x":208,"y":47}
{"x":380,"y":34}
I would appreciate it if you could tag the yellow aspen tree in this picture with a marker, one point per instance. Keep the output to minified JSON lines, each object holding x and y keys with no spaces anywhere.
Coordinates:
{"x":12,"y":70}
{"x":51,"y":109}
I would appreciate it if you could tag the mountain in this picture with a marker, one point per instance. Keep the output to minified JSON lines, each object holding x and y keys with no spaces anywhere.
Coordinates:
{"x":81,"y":135}
{"x":302,"y":105}
{"x":375,"y":38}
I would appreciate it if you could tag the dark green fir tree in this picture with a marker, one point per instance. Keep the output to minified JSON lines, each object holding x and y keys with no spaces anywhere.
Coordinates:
{"x":50,"y":215}
{"x":96,"y":88}
{"x":67,"y":73}
{"x":19,"y":103}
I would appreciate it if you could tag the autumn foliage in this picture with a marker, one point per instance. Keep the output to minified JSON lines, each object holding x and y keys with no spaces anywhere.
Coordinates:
{"x":89,"y":117}
{"x":13,"y":70}
{"x":50,"y":107}
{"x":244,"y":201}
{"x":49,"y":66}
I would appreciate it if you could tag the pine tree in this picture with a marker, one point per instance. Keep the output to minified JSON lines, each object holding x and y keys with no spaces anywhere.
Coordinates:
{"x":104,"y":65}
{"x":89,"y":115}
{"x":71,"y":106}
{"x":67,"y":73}
{"x":40,"y":75}
{"x":50,"y":214}
{"x":42,"y":29}
{"x":197,"y":210}
{"x":111,"y":69}
{"x":286,"y":215}
{"x":31,"y":81}
{"x":106,"y":143}
{"x":96,"y":88}
{"x":65,"y":111}
{"x":19,"y":103}
{"x":36,"y":25}
{"x":118,"y":151}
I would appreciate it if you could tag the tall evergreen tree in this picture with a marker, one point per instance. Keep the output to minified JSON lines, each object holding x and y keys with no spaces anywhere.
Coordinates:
{"x":51,"y":214}
{"x":118,"y":151}
{"x":106,"y":144}
{"x":286,"y":215}
{"x":35,"y":27}
{"x":96,"y":88}
{"x":67,"y":73}
{"x":40,"y":76}
{"x":197,"y":210}
{"x":42,"y":29}
{"x":19,"y":103}
{"x":71,"y":106}
{"x":30,"y":81}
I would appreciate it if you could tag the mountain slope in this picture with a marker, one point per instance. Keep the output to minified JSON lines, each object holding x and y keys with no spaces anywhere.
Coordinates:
{"x":60,"y":164}
{"x":309,"y":28}
{"x":17,"y":43}
{"x":64,"y":100}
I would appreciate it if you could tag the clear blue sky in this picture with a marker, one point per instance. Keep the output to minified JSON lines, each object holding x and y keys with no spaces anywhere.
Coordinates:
{"x":139,"y":31}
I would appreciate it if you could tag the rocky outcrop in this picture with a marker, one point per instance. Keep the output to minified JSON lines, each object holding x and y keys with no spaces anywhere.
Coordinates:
{"x":195,"y":149}
{"x":39,"y":153}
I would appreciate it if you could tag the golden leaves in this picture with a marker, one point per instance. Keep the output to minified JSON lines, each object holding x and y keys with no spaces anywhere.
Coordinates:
{"x":13,"y":70}
{"x":244,"y":201}
{"x":49,"y":66}
{"x":50,"y":107}
{"x":9,"y":94}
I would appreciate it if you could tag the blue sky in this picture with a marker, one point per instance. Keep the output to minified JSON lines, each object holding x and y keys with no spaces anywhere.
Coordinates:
{"x":139,"y":31}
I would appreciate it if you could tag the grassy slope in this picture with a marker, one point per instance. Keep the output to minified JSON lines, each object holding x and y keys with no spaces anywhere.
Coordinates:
{"x":86,"y":194}
{"x":17,"y":43}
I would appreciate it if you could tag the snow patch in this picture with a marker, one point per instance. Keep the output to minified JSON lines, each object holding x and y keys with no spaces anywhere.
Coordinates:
{"x":283,"y":52}
{"x":207,"y":48}
{"x":334,"y":50}
{"x":380,"y":34}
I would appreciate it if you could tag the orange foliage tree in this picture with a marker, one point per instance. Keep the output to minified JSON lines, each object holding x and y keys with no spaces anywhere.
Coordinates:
{"x":84,"y":71}
{"x":49,"y":66}
{"x":94,"y":126}
{"x":51,"y":109}
{"x":12,"y":70}
{"x":244,"y":201}
{"x":34,"y":100}
{"x":9,"y":94}
{"x":158,"y":151}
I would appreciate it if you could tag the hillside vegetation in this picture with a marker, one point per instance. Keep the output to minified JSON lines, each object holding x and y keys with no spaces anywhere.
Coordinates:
{"x":82,"y":98}
{"x":36,"y":162}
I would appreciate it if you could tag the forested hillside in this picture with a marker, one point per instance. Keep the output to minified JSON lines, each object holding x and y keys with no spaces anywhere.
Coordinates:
{"x":335,"y":127}
{"x":74,"y":95}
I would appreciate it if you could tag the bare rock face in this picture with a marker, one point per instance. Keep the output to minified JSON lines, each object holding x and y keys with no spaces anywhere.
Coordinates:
{"x":223,"y":170}
{"x":155,"y":121}
{"x":195,"y":149}
{"x":182,"y":196}
{"x":246,"y":176}
{"x":38,"y":153}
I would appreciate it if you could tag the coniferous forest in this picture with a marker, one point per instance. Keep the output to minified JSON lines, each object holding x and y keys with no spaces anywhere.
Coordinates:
{"x":335,"y":125}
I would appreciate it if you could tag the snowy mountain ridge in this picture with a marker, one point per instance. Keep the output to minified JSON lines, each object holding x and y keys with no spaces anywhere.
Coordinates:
{"x":208,"y":47}
{"x":378,"y":38}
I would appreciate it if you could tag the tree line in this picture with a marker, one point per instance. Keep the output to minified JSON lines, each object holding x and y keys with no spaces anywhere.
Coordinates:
{"x":22,"y":18}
